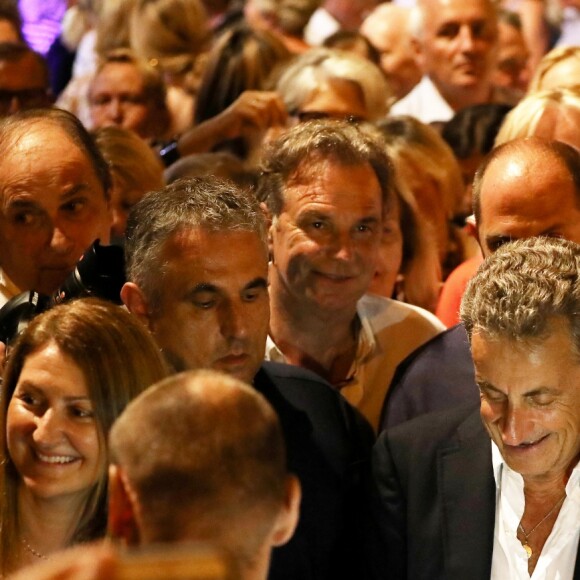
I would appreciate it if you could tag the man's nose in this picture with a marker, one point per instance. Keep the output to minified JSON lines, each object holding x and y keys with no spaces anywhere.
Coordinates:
{"x":15,"y":105}
{"x":515,"y":427}
{"x":466,"y":38}
{"x":119,"y":223}
{"x":234,"y":321}
{"x":60,"y":243}
{"x":342,"y":246}
{"x":115,"y":110}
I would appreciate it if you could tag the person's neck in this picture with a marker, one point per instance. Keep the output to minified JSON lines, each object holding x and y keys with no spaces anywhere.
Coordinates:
{"x":468,"y":97}
{"x":539,"y":490}
{"x":47,"y":525}
{"x":308,"y":336}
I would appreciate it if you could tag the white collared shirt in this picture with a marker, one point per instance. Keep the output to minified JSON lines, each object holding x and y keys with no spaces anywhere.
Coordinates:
{"x":7,"y":288}
{"x":558,"y":557}
{"x":389,"y":331}
{"x":425,"y":103}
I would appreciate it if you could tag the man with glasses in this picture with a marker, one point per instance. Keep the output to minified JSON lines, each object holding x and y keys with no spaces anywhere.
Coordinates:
{"x":24,"y":79}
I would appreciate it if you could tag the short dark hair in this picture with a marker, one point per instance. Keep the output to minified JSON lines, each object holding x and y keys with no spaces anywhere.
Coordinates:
{"x":473,"y":129}
{"x":556,"y":150}
{"x":14,"y":126}
{"x":218,"y":457}
{"x":347,"y":143}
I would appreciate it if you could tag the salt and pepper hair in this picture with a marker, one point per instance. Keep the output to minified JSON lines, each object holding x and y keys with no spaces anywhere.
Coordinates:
{"x":208,"y":203}
{"x":522,"y":289}
{"x":418,"y":17}
{"x":305,"y":145}
{"x":310,"y":70}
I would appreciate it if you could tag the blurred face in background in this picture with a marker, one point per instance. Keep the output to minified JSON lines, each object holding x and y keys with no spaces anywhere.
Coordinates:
{"x":118,"y":97}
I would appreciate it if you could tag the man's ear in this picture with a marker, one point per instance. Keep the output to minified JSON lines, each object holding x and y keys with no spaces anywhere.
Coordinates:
{"x":418,"y":52}
{"x":268,"y":214}
{"x":135,"y":301}
{"x":122,"y":518}
{"x":287,"y":519}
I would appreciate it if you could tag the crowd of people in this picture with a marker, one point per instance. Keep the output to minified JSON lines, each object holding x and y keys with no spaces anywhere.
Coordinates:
{"x":345,"y":340}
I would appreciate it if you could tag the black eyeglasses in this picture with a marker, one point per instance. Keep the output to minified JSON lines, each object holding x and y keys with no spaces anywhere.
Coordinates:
{"x":27,"y":99}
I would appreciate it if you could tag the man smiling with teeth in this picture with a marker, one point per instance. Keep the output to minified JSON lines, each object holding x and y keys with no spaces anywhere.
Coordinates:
{"x":510,"y":509}
{"x":328,"y":186}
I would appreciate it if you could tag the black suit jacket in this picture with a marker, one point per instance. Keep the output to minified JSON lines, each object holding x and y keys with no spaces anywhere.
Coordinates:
{"x":433,"y":499}
{"x":328,"y":445}
{"x":438,"y":375}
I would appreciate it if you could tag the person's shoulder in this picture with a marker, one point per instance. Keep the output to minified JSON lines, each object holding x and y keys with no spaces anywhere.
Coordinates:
{"x":451,"y":341}
{"x":438,"y":423}
{"x":381,"y":311}
{"x":292,"y":387}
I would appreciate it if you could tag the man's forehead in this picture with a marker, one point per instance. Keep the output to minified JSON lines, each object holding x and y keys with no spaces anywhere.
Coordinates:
{"x":206,"y":243}
{"x":438,"y":10}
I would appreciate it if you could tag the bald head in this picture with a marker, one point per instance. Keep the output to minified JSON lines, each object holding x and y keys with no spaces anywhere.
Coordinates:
{"x":527,"y":187}
{"x":203,"y":456}
{"x":387,"y":27}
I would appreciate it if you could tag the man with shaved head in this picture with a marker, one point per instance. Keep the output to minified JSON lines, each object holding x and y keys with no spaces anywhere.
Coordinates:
{"x":217,"y":475}
{"x":387,"y":28}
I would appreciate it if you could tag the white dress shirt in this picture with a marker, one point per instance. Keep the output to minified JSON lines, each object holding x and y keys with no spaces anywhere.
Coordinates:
{"x":558,"y":557}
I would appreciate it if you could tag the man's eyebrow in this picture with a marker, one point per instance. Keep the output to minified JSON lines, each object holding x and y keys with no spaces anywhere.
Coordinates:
{"x":542,"y":391}
{"x":203,"y":287}
{"x":74,"y":190}
{"x":487,"y":386}
{"x":259,"y":282}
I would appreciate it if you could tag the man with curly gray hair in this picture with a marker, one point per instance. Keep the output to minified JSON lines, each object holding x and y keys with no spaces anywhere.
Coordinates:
{"x":475,"y":509}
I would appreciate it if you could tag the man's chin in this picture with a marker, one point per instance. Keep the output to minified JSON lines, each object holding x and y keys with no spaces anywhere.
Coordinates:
{"x":50,"y":280}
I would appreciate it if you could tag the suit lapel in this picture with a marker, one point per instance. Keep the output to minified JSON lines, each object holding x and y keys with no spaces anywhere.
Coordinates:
{"x":468,"y":494}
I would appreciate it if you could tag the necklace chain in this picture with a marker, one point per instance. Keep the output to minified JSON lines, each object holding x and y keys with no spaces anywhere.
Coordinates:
{"x":527,"y":546}
{"x":33,"y":551}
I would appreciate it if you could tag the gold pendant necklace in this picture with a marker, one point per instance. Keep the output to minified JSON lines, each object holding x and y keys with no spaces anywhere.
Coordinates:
{"x":526,"y":543}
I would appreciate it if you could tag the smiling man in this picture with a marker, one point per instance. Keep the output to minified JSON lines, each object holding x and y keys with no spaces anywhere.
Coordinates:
{"x":328,"y":186}
{"x":456,"y":44}
{"x":451,"y":504}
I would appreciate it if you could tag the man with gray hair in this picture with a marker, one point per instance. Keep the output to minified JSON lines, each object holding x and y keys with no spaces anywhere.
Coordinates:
{"x":197,"y":265}
{"x":456,"y":43}
{"x":450,"y":503}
